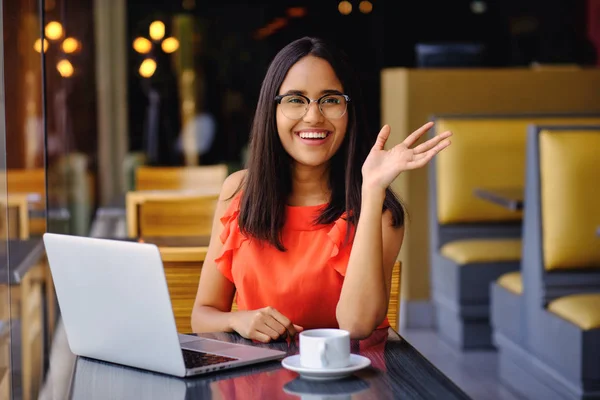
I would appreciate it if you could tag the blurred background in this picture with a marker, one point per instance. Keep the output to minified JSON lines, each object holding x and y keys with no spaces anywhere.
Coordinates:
{"x":94,"y":90}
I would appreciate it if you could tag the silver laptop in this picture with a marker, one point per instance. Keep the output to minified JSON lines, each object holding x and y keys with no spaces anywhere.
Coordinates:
{"x":115,"y":307}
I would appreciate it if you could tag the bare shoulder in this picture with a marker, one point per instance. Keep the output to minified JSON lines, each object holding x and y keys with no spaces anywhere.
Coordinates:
{"x":231,"y":184}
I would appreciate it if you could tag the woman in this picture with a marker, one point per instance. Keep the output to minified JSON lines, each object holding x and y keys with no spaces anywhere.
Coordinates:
{"x":307,"y":236}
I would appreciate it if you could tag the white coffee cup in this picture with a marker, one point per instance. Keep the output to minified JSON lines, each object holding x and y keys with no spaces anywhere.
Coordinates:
{"x":325,"y":348}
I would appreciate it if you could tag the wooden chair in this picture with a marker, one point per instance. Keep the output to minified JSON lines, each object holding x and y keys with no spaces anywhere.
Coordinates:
{"x":182,"y":271}
{"x":393,"y":313}
{"x":30,"y":184}
{"x":26,"y":181}
{"x":5,"y":376}
{"x":32,"y":332}
{"x":134,"y":201}
{"x":14,"y":217}
{"x":178,"y":178}
{"x":189,"y":216}
{"x":26,"y":305}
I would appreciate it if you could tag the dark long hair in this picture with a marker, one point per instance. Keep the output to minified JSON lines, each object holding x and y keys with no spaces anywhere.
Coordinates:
{"x":267,"y":184}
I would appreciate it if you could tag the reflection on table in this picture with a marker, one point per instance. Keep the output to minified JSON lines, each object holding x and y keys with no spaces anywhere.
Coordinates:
{"x":397,"y":371}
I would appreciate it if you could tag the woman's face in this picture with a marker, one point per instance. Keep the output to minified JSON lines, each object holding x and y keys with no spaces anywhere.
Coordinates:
{"x":313,"y":139}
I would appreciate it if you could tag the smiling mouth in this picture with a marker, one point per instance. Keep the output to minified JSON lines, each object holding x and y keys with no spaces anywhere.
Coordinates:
{"x":317,"y":135}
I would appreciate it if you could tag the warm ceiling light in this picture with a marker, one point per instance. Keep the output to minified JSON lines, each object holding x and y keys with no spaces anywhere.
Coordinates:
{"x":142,"y":45}
{"x":54,"y":30}
{"x":157,"y":30}
{"x":37,"y":45}
{"x":345,"y":7}
{"x":296,"y":12}
{"x":365,"y":7}
{"x":147,"y":68}
{"x":70,"y":45}
{"x":169,"y":45}
{"x":65,"y":68}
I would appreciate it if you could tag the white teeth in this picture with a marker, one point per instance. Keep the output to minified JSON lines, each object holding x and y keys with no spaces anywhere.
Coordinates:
{"x":313,"y":135}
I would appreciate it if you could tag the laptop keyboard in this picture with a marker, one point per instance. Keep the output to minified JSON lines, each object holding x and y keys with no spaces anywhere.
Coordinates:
{"x":196,"y":359}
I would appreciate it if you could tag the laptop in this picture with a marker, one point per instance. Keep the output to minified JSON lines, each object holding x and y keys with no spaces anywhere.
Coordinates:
{"x":115,"y":307}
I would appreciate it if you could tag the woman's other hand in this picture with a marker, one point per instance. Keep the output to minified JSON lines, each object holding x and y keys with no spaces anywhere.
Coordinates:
{"x":383,"y":166}
{"x":264,"y":325}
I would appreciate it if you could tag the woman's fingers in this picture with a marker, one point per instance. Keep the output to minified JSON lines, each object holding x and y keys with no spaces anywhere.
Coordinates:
{"x":283,"y":320}
{"x":276,"y":326}
{"x":419,"y":160}
{"x":267,"y":330}
{"x":268,"y":324}
{"x":382,"y":137}
{"x":431,"y":143}
{"x":261,"y":337}
{"x":413,"y":137}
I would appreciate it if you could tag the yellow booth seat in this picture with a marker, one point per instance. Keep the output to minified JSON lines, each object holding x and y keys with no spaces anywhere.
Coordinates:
{"x":569,"y":167}
{"x":482,"y":250}
{"x":485,"y":150}
{"x":512,"y":282}
{"x":581,"y":309}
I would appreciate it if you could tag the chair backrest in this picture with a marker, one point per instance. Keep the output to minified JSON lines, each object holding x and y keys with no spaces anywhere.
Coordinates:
{"x":570,"y":199}
{"x":561,"y":254}
{"x":486,"y":151}
{"x":26,"y":181}
{"x":187,"y":216}
{"x":14,"y":218}
{"x":177,"y":178}
{"x":393,"y":313}
{"x":30,"y":182}
{"x":135,"y":199}
{"x":5,"y":372}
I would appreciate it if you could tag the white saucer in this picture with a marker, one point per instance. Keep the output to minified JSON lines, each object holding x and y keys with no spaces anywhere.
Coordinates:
{"x":357,"y":363}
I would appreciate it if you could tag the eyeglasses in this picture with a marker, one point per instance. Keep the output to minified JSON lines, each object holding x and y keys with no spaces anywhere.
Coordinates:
{"x":295,"y":106}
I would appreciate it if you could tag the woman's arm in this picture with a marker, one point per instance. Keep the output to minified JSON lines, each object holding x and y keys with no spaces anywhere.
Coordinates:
{"x":366,"y":290}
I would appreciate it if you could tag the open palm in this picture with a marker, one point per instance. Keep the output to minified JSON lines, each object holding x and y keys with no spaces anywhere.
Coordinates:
{"x":383,"y":166}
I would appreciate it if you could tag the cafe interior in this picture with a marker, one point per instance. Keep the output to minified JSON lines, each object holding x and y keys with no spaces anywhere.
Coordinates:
{"x":122,"y":119}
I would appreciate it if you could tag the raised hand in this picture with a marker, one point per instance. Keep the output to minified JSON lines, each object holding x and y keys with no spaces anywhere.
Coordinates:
{"x":383,"y":166}
{"x":263,"y":325}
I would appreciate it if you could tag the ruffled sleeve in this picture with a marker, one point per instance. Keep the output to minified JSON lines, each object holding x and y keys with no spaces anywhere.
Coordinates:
{"x":231,"y":237}
{"x":340,"y":250}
